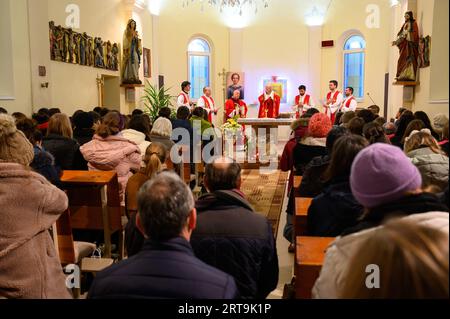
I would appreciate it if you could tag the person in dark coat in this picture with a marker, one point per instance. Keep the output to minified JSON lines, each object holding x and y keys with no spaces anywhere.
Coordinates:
{"x":395,"y":191}
{"x":308,"y":149}
{"x":402,"y":124}
{"x":313,"y":144}
{"x":336,"y":209}
{"x":43,"y":162}
{"x":60,"y":143}
{"x":231,"y":236}
{"x":166,"y":267}
{"x":182,"y":122}
{"x":312,"y":182}
{"x":83,"y":131}
{"x":421,"y":115}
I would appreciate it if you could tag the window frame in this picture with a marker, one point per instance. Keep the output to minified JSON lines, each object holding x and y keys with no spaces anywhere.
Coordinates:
{"x":350,"y":51}
{"x":202,"y":54}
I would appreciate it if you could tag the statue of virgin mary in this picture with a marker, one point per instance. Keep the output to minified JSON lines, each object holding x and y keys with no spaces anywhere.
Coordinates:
{"x":132,"y":51}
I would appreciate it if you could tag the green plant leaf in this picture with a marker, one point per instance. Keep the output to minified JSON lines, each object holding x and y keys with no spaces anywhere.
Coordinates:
{"x":155,"y":99}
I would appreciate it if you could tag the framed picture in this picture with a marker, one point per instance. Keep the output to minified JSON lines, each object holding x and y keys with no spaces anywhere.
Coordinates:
{"x":279,"y":87}
{"x":147,"y":63}
{"x":130,"y":95}
{"x":235,"y":81}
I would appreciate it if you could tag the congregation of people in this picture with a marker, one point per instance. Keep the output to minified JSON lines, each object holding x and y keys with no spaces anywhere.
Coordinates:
{"x":380,"y":186}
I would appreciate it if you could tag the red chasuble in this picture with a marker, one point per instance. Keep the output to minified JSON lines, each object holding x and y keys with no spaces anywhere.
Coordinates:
{"x":230,"y":106}
{"x":271,"y":105}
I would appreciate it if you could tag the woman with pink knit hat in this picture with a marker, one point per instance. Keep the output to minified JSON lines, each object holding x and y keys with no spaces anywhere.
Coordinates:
{"x":388,"y":185}
{"x":314,"y":144}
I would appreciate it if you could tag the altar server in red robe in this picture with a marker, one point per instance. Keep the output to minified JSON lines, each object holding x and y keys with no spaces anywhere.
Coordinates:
{"x":349,"y":103}
{"x":269,"y":103}
{"x":333,"y":101}
{"x":183,"y":98}
{"x":303,"y":102}
{"x":206,"y":102}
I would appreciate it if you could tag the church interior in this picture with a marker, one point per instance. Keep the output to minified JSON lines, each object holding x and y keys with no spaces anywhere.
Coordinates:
{"x":253,"y":149}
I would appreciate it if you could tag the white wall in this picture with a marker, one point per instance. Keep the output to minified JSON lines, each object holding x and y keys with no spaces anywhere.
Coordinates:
{"x":432,"y":94}
{"x":18,"y":57}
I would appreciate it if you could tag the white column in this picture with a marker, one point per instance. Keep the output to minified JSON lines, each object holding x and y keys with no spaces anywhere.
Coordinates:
{"x":314,"y":60}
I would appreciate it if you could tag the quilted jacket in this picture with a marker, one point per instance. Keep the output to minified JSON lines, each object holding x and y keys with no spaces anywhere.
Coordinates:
{"x":433,"y":167}
{"x":233,"y":238}
{"x":113,"y":153}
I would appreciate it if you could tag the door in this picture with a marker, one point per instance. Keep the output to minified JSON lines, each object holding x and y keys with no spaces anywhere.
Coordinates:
{"x":111,"y":92}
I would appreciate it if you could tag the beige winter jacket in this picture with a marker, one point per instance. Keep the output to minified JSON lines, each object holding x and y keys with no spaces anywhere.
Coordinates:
{"x":30,"y":205}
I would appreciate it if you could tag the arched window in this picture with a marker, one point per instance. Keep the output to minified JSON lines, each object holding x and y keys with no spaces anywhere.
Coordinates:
{"x":199,"y":61}
{"x":354,"y":64}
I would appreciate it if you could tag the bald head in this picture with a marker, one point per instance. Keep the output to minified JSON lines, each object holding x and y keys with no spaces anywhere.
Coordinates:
{"x":222,"y":174}
{"x":236,"y":94}
{"x":207,"y":91}
{"x":269,"y":89}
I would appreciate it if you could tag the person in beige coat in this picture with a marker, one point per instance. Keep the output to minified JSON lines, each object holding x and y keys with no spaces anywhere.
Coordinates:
{"x":394,"y":192}
{"x":29,"y":265}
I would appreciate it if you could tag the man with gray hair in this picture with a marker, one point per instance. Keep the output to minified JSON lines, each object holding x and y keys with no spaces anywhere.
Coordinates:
{"x":166,"y":266}
{"x":231,"y":236}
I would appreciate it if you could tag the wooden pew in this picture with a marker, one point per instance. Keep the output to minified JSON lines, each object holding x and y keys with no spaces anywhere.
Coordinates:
{"x":73,"y":252}
{"x":94,"y":204}
{"x":310,"y":254}
{"x":301,"y":215}
{"x":297,"y":182}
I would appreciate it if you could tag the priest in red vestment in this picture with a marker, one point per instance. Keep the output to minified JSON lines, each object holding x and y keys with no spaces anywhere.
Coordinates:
{"x":235,"y":106}
{"x":269,"y":103}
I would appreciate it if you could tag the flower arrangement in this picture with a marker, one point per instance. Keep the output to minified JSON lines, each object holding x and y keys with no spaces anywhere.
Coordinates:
{"x":232,"y":125}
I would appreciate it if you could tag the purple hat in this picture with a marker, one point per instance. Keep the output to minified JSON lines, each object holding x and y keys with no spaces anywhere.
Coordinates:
{"x":382,"y":173}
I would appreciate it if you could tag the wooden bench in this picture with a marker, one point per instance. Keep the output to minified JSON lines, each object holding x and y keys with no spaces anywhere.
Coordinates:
{"x":73,"y":252}
{"x":94,"y":204}
{"x":297,"y":183}
{"x":310,"y":254}
{"x":301,"y":215}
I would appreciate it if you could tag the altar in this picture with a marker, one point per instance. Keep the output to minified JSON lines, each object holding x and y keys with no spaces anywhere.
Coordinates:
{"x":266,"y":123}
{"x":265,"y":131}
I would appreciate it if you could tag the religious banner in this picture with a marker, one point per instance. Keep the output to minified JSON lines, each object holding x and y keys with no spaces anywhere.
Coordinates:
{"x":235,"y":81}
{"x":279,"y":86}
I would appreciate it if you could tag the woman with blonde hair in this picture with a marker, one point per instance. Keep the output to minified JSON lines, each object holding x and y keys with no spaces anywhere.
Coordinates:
{"x":109,"y":150}
{"x":427,"y":156}
{"x":154,"y":159}
{"x":162,"y":133}
{"x":409,"y":261}
{"x":60,"y":143}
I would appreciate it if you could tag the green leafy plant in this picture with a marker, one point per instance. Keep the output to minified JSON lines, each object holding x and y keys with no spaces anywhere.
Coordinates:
{"x":155,"y":99}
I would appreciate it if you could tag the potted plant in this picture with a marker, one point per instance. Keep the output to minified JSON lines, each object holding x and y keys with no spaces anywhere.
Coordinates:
{"x":155,"y":99}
